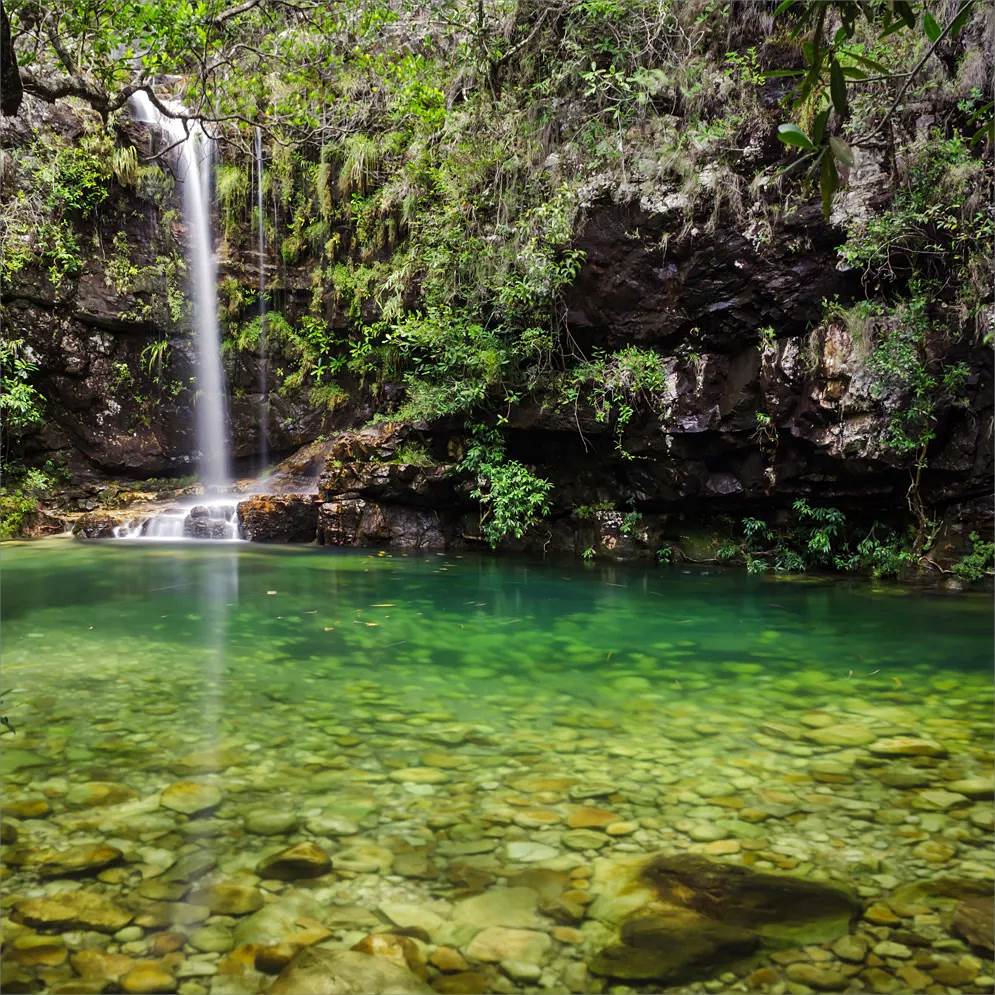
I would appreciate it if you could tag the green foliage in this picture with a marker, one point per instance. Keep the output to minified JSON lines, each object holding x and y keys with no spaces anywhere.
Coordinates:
{"x":665,"y":555}
{"x":16,"y":510}
{"x":20,"y":400}
{"x":512,"y":498}
{"x":977,"y":564}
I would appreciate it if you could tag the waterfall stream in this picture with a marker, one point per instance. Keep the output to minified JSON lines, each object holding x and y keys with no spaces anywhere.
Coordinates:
{"x":194,"y":154}
{"x":212,"y":517}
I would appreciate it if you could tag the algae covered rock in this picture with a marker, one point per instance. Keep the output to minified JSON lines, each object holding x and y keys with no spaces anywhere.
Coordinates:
{"x":681,"y":917}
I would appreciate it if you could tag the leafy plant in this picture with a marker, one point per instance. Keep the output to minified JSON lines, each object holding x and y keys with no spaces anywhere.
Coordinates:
{"x":978,"y":563}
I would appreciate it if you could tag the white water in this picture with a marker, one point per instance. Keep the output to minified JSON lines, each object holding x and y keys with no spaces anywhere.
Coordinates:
{"x":213,"y":518}
{"x":263,"y":358}
{"x":194,"y":153}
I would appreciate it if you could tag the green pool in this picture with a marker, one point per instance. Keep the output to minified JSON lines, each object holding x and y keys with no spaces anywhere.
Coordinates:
{"x":441,"y":728}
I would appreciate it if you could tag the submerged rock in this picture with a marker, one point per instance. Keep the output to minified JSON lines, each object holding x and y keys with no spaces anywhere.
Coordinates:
{"x":346,"y":972}
{"x":681,"y":918}
{"x":73,"y":910}
{"x":304,"y":860}
{"x":191,"y":797}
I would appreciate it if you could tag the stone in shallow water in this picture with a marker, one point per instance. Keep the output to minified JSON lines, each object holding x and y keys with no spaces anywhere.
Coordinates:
{"x":406,"y":914}
{"x":850,"y":948}
{"x":264,"y":822}
{"x":148,"y":978}
{"x":190,"y":797}
{"x":583,"y":839}
{"x":32,"y":950}
{"x":844,"y":734}
{"x":498,"y":943}
{"x":588,"y":817}
{"x":907,"y":746}
{"x":973,"y":922}
{"x":527,"y":853}
{"x":27,"y":808}
{"x":346,"y":972}
{"x":212,"y":939}
{"x":822,"y":979}
{"x":329,"y":824}
{"x":304,"y":860}
{"x":420,"y":775}
{"x":293,"y":918}
{"x":73,"y":910}
{"x":498,"y":907}
{"x":88,"y":858}
{"x":974,"y":787}
{"x":224,"y":899}
{"x":684,"y":917}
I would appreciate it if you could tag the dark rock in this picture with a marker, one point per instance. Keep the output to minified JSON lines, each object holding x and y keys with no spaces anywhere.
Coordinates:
{"x":355,"y":522}
{"x":973,"y":922}
{"x":279,"y":518}
{"x":700,"y":916}
{"x":96,"y":525}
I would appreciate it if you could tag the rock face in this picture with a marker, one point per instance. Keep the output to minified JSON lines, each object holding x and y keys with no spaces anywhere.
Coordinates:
{"x":279,"y":518}
{"x":346,"y":972}
{"x":680,"y":918}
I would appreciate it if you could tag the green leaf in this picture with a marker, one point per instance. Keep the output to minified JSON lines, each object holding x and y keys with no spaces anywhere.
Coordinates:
{"x":819,"y":126}
{"x":791,"y":134}
{"x":961,"y":19}
{"x":904,"y":11}
{"x":782,"y":73}
{"x":930,"y":26}
{"x":850,"y":73}
{"x":783,"y":6}
{"x":837,"y":89}
{"x":841,"y":150}
{"x":829,"y":182}
{"x":864,"y":61}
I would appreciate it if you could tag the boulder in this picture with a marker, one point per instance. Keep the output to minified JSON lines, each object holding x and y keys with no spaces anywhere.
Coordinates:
{"x":278,"y":518}
{"x":681,"y":918}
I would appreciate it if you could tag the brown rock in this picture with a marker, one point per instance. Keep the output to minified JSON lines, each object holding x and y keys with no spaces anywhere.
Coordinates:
{"x":973,"y":922}
{"x":304,"y":860}
{"x":73,"y":910}
{"x":148,"y":978}
{"x":448,"y":960}
{"x":587,"y":817}
{"x":400,"y":950}
{"x":346,"y":972}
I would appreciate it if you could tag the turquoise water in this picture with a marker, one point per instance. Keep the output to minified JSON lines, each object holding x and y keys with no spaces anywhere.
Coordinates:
{"x":304,"y":684}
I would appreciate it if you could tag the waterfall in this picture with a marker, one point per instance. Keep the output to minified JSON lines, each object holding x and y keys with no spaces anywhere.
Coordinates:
{"x":194,"y":154}
{"x":263,"y":358}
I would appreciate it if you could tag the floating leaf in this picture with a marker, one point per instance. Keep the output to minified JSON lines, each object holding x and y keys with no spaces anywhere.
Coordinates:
{"x":791,"y":134}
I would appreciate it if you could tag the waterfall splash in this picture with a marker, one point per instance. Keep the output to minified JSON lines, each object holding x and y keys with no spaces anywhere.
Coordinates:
{"x":263,"y":358}
{"x":194,"y":155}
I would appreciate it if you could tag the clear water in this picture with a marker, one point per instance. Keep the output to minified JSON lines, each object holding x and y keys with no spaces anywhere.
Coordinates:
{"x":298,"y":680}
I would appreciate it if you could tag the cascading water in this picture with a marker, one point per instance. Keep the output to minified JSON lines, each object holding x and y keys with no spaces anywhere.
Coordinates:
{"x":214,"y":517}
{"x":194,"y":152}
{"x":263,"y":358}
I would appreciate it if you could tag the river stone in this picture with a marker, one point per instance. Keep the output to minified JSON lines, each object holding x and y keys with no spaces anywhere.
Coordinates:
{"x":92,"y":794}
{"x":844,"y":734}
{"x":583,"y":839}
{"x":850,"y":948}
{"x":589,"y":817}
{"x":190,"y":797}
{"x":525,"y":852}
{"x":498,"y":907}
{"x":303,"y":860}
{"x":907,"y":746}
{"x":191,"y":866}
{"x":498,"y":943}
{"x":329,"y":824}
{"x":264,"y":822}
{"x":973,"y":922}
{"x":73,"y":910}
{"x":683,"y":917}
{"x":293,"y":918}
{"x":822,"y":979}
{"x":420,"y":775}
{"x":224,"y":899}
{"x":87,"y":858}
{"x":407,"y":915}
{"x":34,"y":807}
{"x":99,"y":964}
{"x":147,"y":978}
{"x":346,"y":972}
{"x":974,"y":787}
{"x":32,"y":950}
{"x":212,"y":939}
{"x":904,"y":777}
{"x":938,"y":798}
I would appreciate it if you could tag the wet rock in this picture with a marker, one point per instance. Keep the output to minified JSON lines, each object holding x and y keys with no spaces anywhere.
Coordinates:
{"x":279,"y":518}
{"x":229,"y":899}
{"x":265,"y":822}
{"x":295,"y":919}
{"x":76,"y":861}
{"x":526,"y":853}
{"x":682,"y":917}
{"x":850,"y":948}
{"x":92,"y":794}
{"x":97,"y":525}
{"x":400,"y":950}
{"x":973,"y":921}
{"x":499,"y":943}
{"x":822,"y":979}
{"x":907,"y":746}
{"x":27,"y":808}
{"x":465,"y":983}
{"x":498,"y":907}
{"x":844,"y":734}
{"x":73,"y":910}
{"x":148,"y":978}
{"x":583,"y":839}
{"x":588,"y":817}
{"x":212,"y":939}
{"x":32,"y":950}
{"x":190,"y":797}
{"x":330,"y":824}
{"x":345,"y":972}
{"x":448,"y":960}
{"x":974,"y":787}
{"x":303,"y":860}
